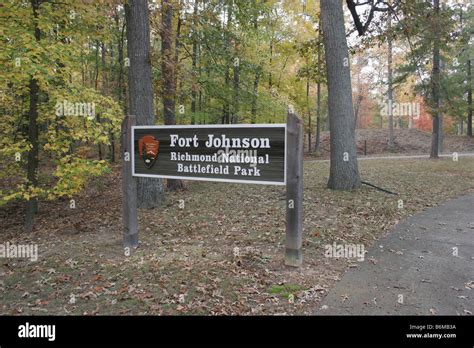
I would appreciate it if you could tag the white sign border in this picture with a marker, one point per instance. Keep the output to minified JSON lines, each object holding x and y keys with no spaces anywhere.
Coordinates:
{"x":276,"y":125}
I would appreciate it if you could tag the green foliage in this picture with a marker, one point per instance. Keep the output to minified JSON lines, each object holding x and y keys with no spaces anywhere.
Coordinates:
{"x":417,"y":28}
{"x":56,"y":62}
{"x":261,"y":37}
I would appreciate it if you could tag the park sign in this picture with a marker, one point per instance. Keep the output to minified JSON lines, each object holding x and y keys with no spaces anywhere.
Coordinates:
{"x":252,"y":154}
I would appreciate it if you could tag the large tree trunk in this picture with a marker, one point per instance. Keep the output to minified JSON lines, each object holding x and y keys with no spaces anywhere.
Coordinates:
{"x":32,"y":166}
{"x":168,"y":70}
{"x":150,"y":193}
{"x":344,"y":172}
{"x":435,"y":85}
{"x":391,"y":143}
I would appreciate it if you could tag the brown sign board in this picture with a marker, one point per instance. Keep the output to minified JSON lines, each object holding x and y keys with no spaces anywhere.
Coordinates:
{"x":252,"y":154}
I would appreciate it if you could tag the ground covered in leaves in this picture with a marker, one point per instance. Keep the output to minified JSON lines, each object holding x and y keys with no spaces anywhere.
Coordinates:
{"x":219,"y":253}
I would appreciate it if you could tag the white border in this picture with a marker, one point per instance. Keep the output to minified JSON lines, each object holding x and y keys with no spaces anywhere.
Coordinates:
{"x":279,"y":125}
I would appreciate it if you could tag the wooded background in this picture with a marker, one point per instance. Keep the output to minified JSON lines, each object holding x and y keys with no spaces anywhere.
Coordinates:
{"x":217,"y":61}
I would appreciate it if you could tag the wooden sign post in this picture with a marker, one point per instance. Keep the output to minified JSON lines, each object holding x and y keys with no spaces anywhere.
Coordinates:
{"x":129,"y":188}
{"x":249,"y":154}
{"x":294,"y":191}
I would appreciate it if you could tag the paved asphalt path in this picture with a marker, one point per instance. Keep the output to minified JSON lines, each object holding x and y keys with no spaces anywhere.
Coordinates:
{"x":416,"y":261}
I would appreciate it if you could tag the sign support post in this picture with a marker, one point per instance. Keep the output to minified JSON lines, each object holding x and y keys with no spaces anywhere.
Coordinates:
{"x":129,"y":188}
{"x":294,"y":192}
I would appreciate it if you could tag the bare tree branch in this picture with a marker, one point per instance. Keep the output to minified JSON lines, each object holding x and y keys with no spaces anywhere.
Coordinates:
{"x":362,"y":28}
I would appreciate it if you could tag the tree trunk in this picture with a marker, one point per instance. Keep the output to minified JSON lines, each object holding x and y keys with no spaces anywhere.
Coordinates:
{"x":256,"y":81}
{"x":226,"y":107}
{"x":469,"y":98}
{"x":111,"y":133}
{"x":441,"y":116}
{"x":149,"y":190}
{"x":104,"y":86}
{"x":200,"y":101}
{"x":255,"y":95}
{"x":177,"y":47}
{"x":309,"y":114}
{"x":344,"y":172}
{"x":435,"y":84}
{"x":96,"y":69}
{"x":194,"y":63}
{"x":32,"y":167}
{"x":359,"y":100}
{"x":33,"y":162}
{"x":96,"y":86}
{"x":121,"y":86}
{"x":168,"y":67}
{"x":440,"y":132}
{"x":236,"y":85}
{"x":318,"y":96}
{"x":106,"y":89}
{"x":391,"y":143}
{"x":270,"y":82}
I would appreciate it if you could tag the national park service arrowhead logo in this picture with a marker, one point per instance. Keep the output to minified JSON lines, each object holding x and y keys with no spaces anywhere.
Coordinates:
{"x":148,"y":150}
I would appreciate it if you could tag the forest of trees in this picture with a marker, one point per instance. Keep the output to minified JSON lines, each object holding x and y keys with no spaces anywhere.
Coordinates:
{"x":72,"y":69}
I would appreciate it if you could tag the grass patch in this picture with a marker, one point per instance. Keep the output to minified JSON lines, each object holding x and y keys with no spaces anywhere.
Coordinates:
{"x":285,"y":290}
